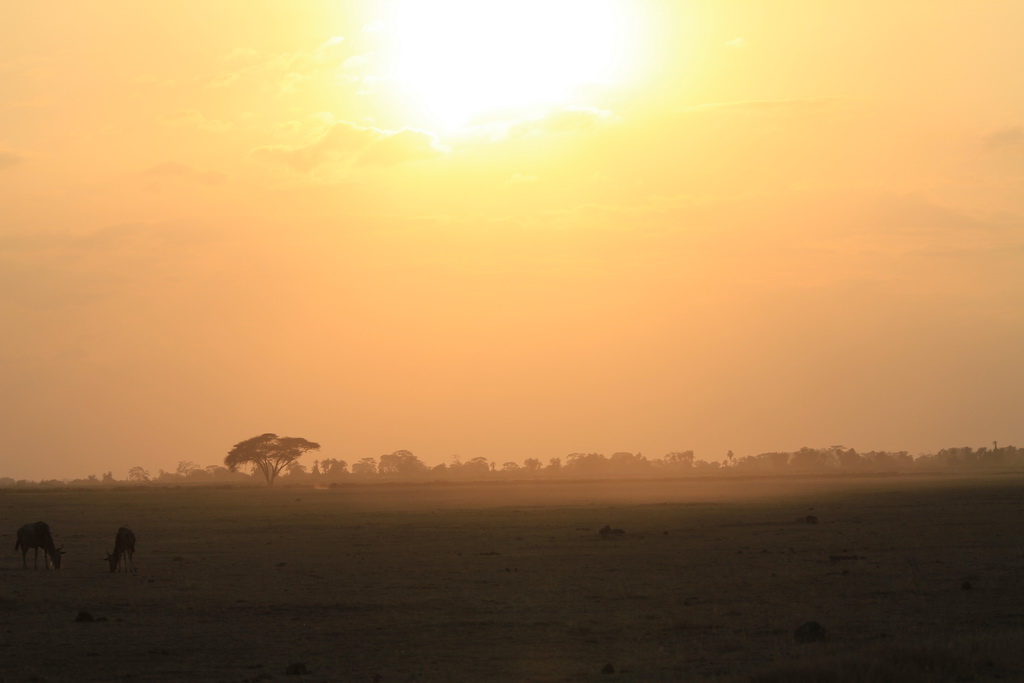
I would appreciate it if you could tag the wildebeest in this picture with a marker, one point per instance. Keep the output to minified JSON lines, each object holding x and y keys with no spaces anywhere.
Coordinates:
{"x":37,"y":535}
{"x":124,"y":546}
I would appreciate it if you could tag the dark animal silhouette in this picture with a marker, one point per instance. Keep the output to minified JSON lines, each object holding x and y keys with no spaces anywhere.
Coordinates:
{"x":37,"y":535}
{"x":124,"y":547}
{"x":810,"y":632}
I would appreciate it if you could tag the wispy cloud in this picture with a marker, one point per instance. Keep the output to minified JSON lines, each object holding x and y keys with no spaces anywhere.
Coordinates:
{"x":176,"y":170}
{"x":192,"y":118}
{"x":518,"y":179}
{"x":240,"y":54}
{"x":762,"y":106}
{"x":1006,"y":137}
{"x":564,"y":120}
{"x":346,"y":142}
{"x":10,"y":159}
{"x":285,"y":71}
{"x":65,"y":270}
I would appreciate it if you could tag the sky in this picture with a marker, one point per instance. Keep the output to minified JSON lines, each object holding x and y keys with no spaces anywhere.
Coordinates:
{"x":507,"y":229}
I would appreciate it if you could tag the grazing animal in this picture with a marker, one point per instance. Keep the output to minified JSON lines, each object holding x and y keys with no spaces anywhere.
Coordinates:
{"x":37,"y":535}
{"x":810,"y":632}
{"x":124,"y":546}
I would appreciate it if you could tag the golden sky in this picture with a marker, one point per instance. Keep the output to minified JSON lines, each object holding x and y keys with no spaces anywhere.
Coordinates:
{"x":507,"y":229}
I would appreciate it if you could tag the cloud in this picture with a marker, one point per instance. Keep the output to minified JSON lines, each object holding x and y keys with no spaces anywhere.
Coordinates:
{"x":32,"y":66}
{"x":37,"y":102}
{"x":345,"y":142}
{"x":356,"y":62}
{"x":10,"y":159}
{"x":148,"y":79}
{"x":240,"y":53}
{"x":291,"y":83}
{"x":520,"y":179}
{"x":736,"y":43}
{"x":564,"y":120}
{"x":330,"y":43}
{"x":1011,"y":137}
{"x":287,"y":72}
{"x":191,"y":118}
{"x":767,"y":106}
{"x":404,"y":145}
{"x":174,"y":169}
{"x":342,"y":141}
{"x":51,"y":270}
{"x":224,"y":80}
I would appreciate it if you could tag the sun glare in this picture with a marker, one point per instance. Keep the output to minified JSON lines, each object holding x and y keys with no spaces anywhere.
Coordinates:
{"x":463,"y":58}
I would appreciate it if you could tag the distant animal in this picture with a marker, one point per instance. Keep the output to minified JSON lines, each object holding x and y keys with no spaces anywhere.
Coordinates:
{"x":37,"y":535}
{"x":124,"y":547}
{"x":810,"y":632}
{"x":606,"y":530}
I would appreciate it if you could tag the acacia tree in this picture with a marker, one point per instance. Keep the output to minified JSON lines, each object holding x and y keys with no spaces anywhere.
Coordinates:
{"x":138,"y":473}
{"x":400,"y":463}
{"x":268,"y":453}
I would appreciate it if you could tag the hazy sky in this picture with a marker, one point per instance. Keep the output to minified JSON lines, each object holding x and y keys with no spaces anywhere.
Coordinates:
{"x":507,"y":229}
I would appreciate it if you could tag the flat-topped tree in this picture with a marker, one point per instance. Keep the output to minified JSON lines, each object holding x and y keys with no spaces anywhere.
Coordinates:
{"x":269,"y":453}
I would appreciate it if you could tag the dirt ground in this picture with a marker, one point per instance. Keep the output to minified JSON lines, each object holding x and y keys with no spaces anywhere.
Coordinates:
{"x":913,"y":578}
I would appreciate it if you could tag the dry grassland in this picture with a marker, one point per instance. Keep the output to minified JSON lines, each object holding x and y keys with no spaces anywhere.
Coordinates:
{"x":914,"y":579}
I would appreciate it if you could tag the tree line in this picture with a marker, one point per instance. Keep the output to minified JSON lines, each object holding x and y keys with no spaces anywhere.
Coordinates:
{"x":268,"y":457}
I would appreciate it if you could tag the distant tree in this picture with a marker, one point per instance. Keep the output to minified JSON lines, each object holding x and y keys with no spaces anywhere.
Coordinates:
{"x":809,"y":459}
{"x":478,"y":466}
{"x":138,"y":474}
{"x":849,"y":459}
{"x":707,"y":467}
{"x":400,"y":463}
{"x":682,"y":460}
{"x":268,"y":453}
{"x":108,"y":477}
{"x":624,"y":462}
{"x":365,"y":467}
{"x":532,"y":465}
{"x":295,"y":469}
{"x":510,"y":467}
{"x":778,"y":461}
{"x":214,"y":471}
{"x":754,"y":463}
{"x":187,"y":467}
{"x":587,"y":464}
{"x":993,"y":457}
{"x":332,"y":468}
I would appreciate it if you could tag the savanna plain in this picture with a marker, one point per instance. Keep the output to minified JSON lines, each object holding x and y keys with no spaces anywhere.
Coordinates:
{"x":912,"y":578}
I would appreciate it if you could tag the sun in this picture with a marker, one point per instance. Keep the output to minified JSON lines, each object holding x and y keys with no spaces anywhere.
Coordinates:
{"x":460,"y":59}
